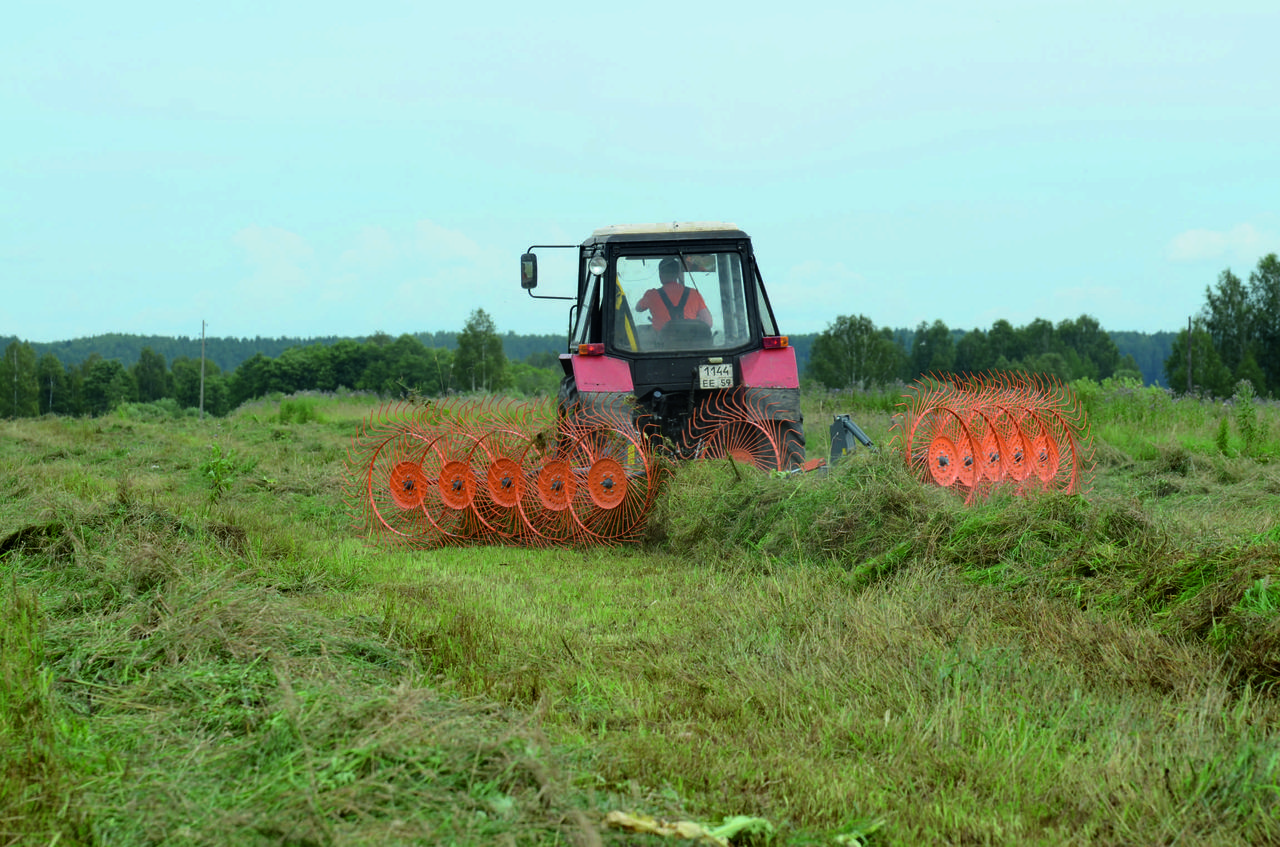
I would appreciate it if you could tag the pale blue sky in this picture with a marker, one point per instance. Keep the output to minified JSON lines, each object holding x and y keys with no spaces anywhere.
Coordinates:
{"x":317,"y":168}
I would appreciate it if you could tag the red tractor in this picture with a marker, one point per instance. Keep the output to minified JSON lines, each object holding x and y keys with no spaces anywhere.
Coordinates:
{"x":671,"y":328}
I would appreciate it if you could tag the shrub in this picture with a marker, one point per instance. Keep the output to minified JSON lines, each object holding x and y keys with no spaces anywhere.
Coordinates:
{"x":299,"y":410}
{"x":1247,"y":417}
{"x":220,"y":468}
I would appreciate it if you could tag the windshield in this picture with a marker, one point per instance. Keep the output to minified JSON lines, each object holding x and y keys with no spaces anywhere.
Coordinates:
{"x":696,"y":301}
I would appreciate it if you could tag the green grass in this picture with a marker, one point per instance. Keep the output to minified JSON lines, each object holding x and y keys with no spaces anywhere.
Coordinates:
{"x":196,"y":649}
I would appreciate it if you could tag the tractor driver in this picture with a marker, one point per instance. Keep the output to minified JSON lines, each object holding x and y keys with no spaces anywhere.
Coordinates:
{"x":673,"y":299}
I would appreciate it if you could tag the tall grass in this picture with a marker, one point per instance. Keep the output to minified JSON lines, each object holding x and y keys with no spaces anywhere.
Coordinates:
{"x":856,"y":657}
{"x":40,"y":783}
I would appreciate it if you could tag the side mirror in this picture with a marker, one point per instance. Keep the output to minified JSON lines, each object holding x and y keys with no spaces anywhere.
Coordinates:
{"x":528,"y":271}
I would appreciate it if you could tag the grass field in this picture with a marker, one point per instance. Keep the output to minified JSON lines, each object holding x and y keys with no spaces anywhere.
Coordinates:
{"x":197,"y":649}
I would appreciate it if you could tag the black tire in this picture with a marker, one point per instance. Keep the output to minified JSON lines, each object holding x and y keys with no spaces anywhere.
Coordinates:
{"x":568,"y":405}
{"x":567,"y":398}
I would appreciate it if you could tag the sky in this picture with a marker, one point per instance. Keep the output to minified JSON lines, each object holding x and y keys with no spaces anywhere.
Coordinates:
{"x":315,"y":169}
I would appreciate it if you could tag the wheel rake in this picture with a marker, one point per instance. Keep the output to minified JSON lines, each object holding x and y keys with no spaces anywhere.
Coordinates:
{"x":387,"y":486}
{"x":499,"y":472}
{"x":974,"y":432}
{"x":737,"y":424}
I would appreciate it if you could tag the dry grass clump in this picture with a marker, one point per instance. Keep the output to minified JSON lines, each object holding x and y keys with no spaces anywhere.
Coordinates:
{"x":861,"y":508}
{"x":181,"y":701}
{"x":948,"y":708}
{"x":1107,"y":552}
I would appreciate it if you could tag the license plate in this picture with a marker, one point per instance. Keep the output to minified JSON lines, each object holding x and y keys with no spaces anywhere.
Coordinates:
{"x":715,"y":376}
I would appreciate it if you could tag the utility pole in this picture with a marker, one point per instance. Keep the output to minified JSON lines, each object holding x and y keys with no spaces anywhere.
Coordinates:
{"x":202,"y":370}
{"x":1189,"y":383}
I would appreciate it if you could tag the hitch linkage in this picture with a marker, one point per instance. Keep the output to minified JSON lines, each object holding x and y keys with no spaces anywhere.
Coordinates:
{"x":844,"y":432}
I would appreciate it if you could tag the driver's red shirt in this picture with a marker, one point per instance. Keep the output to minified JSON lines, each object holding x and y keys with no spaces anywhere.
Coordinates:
{"x":652,"y":302}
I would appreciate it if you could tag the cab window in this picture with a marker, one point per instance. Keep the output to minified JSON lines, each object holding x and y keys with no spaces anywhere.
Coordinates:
{"x":680,"y":303}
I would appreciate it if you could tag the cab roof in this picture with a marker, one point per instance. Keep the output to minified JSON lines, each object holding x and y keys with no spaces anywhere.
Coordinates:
{"x":675,"y":230}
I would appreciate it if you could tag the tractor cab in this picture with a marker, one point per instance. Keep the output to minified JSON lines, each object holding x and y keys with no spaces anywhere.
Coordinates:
{"x":673,"y":315}
{"x":673,"y":294}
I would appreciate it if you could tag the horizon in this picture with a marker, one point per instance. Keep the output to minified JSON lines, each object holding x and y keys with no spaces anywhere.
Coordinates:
{"x":366,"y":336}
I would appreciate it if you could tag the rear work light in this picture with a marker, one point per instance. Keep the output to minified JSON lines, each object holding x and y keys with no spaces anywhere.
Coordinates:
{"x":596,"y":349}
{"x":774,"y":342}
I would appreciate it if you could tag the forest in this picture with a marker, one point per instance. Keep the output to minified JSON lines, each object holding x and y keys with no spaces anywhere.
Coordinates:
{"x":93,"y":376}
{"x":1234,"y":337}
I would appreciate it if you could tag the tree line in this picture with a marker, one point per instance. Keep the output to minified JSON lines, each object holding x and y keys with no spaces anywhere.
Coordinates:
{"x":228,"y":353}
{"x":34,"y":383}
{"x":1234,"y":337}
{"x":1149,"y":350}
{"x":854,"y":353}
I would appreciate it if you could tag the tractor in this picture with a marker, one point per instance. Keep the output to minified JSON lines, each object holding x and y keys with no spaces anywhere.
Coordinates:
{"x":671,"y":327}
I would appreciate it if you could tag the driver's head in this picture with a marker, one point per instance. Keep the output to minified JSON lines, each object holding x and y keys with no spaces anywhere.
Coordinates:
{"x":669,"y":270}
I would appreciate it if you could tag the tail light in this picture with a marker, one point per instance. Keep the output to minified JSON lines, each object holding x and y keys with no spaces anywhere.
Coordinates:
{"x":596,"y":349}
{"x":774,"y":342}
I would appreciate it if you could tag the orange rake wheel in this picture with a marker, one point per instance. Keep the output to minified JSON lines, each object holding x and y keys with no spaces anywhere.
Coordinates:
{"x":967,"y":472}
{"x":450,"y":501}
{"x":746,"y":442}
{"x":498,"y":500}
{"x":507,"y":460}
{"x":546,"y":504}
{"x":991,"y":458}
{"x":496,"y":471}
{"x":1017,"y":452}
{"x":607,"y":483}
{"x":1019,"y":461}
{"x":457,"y":485}
{"x":920,"y":425}
{"x":407,"y":484}
{"x":556,"y":485}
{"x":615,"y":477}
{"x":504,"y":480}
{"x":943,"y":460}
{"x":944,"y":451}
{"x":586,"y":485}
{"x":1044,"y":455}
{"x":1044,"y":458}
{"x":619,"y":485}
{"x":396,"y":488}
{"x":388,"y":485}
{"x":737,"y":424}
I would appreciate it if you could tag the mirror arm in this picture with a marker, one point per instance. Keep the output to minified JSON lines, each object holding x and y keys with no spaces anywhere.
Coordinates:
{"x":532,"y":247}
